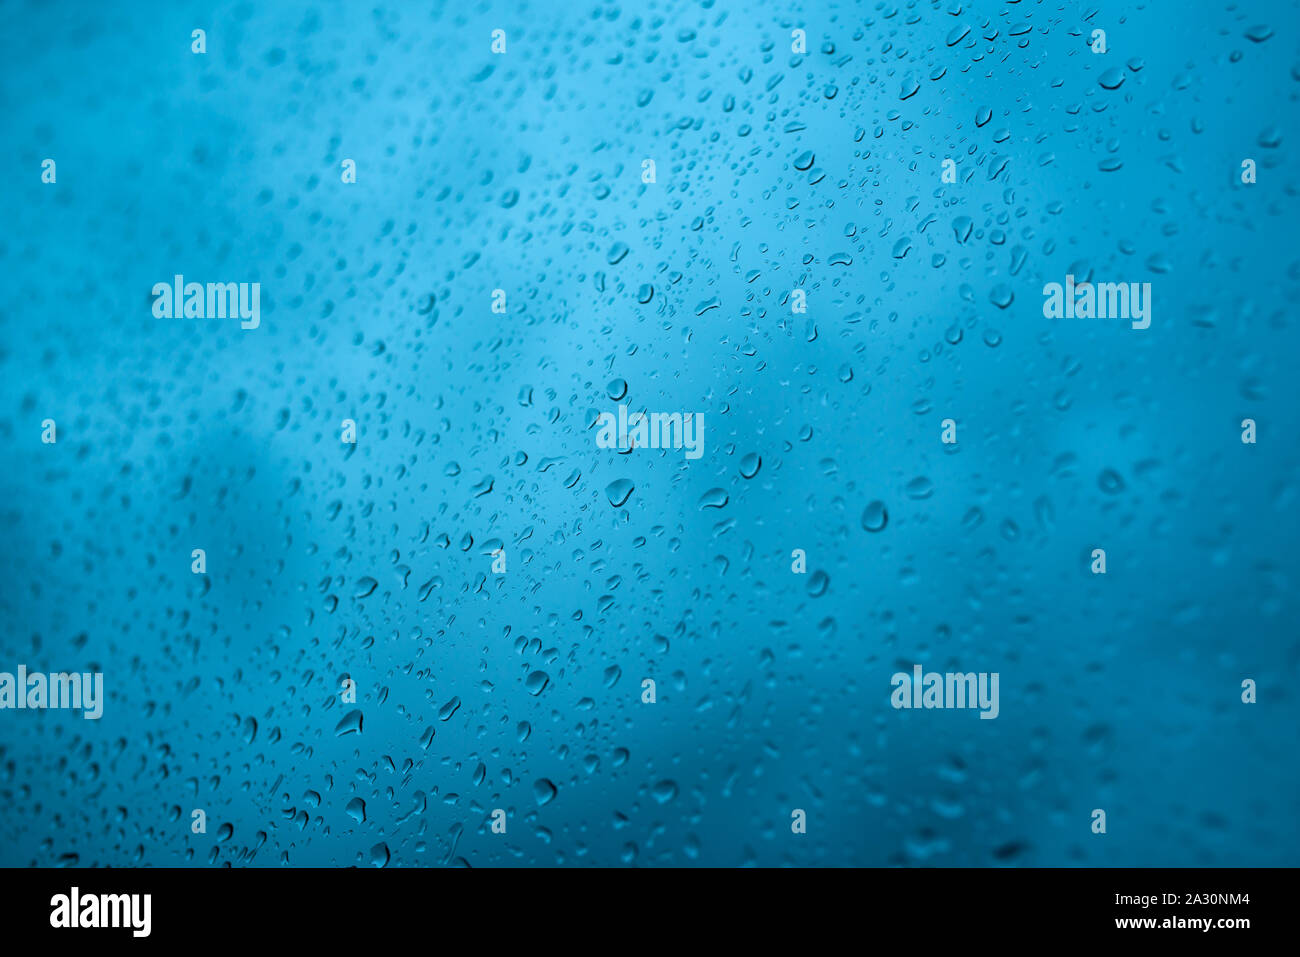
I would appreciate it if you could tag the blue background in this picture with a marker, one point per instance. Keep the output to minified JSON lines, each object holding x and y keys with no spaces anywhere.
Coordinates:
{"x":522,"y":172}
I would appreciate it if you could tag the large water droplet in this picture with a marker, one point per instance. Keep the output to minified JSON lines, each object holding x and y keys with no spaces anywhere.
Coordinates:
{"x":1112,"y":79}
{"x":536,"y":682}
{"x":545,"y":791}
{"x":714,"y":498}
{"x":618,"y":491}
{"x":875,"y":517}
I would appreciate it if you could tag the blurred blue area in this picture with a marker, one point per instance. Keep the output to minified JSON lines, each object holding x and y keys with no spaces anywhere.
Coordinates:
{"x":523,"y":691}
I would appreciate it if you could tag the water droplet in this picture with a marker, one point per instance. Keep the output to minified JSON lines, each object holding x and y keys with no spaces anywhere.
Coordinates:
{"x":875,"y":517}
{"x":1110,"y":482}
{"x":618,"y":491}
{"x":920,"y":487}
{"x":536,"y":682}
{"x":1112,"y":79}
{"x":664,"y":791}
{"x":350,"y":723}
{"x":544,"y":791}
{"x":714,"y":498}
